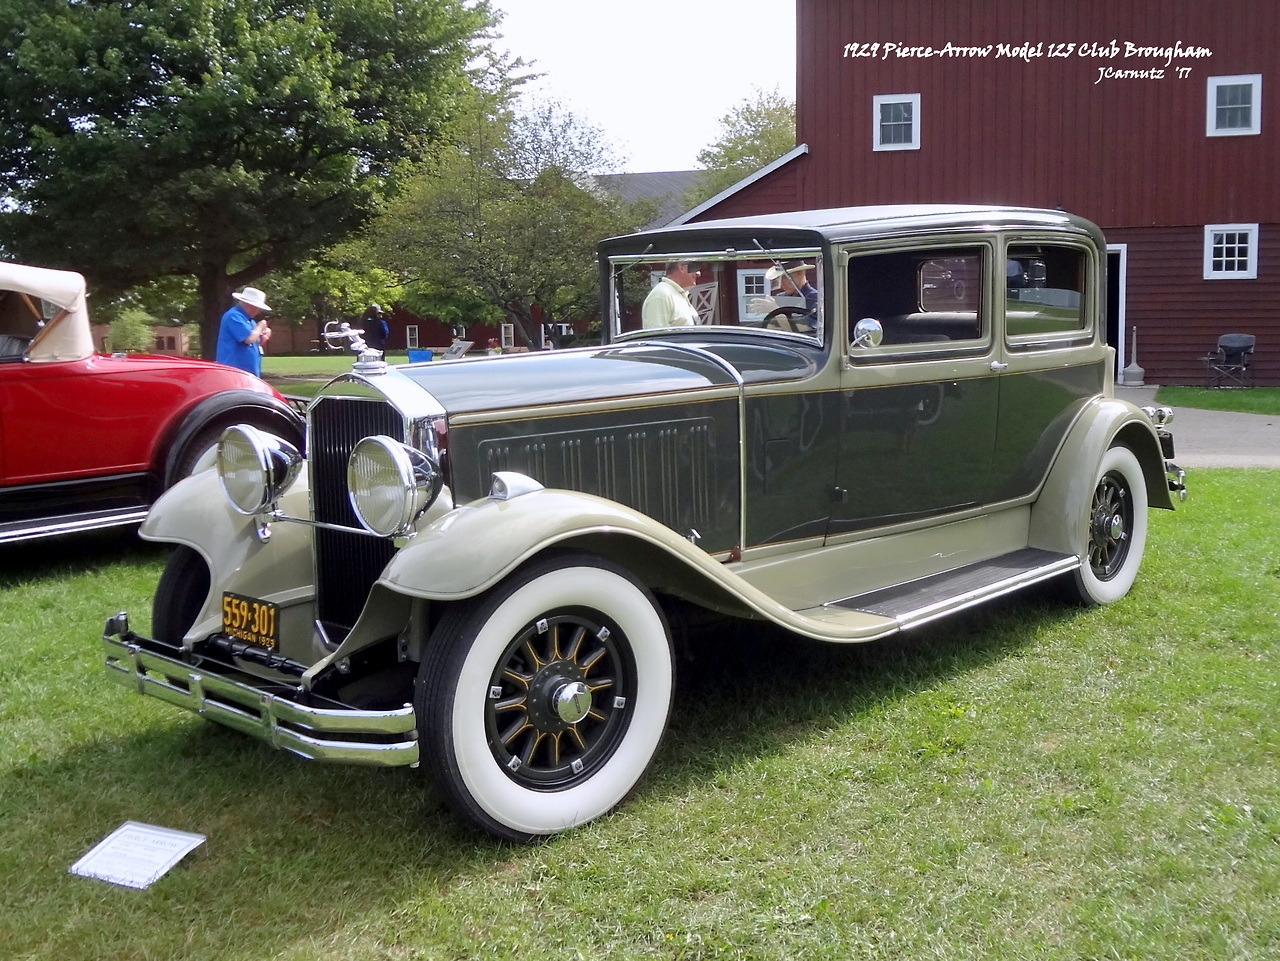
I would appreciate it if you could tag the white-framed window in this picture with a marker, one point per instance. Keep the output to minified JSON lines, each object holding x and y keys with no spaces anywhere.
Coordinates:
{"x":751,"y":287}
{"x":1231,"y":252}
{"x":1233,"y":106}
{"x":508,"y":336}
{"x":411,"y":336}
{"x":895,"y":122}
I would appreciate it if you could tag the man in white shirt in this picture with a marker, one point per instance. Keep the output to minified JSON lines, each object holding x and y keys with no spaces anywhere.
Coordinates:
{"x":668,"y":303}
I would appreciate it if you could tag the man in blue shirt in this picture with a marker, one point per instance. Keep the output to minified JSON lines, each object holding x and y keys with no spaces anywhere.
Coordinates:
{"x":241,"y":335}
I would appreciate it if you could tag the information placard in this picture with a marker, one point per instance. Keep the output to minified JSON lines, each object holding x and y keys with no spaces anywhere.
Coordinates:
{"x":136,"y":855}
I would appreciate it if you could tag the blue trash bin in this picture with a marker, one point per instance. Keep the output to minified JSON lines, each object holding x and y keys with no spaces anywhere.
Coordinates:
{"x":419,"y":356}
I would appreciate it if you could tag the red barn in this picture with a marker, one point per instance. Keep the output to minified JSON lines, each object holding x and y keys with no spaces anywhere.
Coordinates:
{"x":1146,"y":118}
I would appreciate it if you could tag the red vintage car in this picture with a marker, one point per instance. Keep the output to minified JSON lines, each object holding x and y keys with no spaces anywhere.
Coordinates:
{"x":89,"y":440}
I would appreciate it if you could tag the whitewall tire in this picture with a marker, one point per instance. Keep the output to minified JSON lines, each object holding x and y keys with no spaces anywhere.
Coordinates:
{"x":1115,"y":530}
{"x":542,"y":702}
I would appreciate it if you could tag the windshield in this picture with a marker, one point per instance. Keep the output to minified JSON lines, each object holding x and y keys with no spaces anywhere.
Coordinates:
{"x":777,"y":290}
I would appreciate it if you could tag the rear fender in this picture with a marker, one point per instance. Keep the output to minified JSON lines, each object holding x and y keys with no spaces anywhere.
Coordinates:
{"x":1060,"y":515}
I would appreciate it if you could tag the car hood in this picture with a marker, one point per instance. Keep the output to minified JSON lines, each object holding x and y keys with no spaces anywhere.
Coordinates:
{"x":569,"y":376}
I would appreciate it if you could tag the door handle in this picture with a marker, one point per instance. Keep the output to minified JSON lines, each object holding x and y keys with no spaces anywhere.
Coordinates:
{"x":999,"y":367}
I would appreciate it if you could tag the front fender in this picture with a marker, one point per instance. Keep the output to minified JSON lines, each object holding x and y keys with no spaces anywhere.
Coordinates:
{"x":195,"y":513}
{"x":473,"y":547}
{"x":1060,"y":513}
{"x":232,"y":407}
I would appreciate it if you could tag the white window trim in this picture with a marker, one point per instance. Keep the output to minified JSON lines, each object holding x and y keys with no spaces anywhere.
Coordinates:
{"x":1211,"y":128}
{"x":1249,"y":274}
{"x":411,"y":336}
{"x":745,"y":314}
{"x":877,"y":102}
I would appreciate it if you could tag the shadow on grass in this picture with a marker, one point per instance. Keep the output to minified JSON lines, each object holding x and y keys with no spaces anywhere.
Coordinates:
{"x":320,"y":845}
{"x":74,"y":554}
{"x":747,"y":689}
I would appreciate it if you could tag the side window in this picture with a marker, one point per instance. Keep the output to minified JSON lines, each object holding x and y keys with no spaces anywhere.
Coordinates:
{"x":1044,"y":291}
{"x":752,"y":288}
{"x":929,"y":297}
{"x":1231,"y":252}
{"x":895,"y":122}
{"x":1233,"y":106}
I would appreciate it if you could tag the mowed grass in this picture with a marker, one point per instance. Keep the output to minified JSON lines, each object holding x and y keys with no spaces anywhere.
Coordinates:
{"x":1251,"y":400}
{"x":1030,"y":780}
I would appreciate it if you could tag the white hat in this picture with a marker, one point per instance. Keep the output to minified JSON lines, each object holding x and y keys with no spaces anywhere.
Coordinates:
{"x":777,"y":270}
{"x":253,"y":297}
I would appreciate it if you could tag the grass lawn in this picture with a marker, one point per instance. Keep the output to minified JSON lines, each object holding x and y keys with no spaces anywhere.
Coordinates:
{"x":1250,"y":400}
{"x":1026,"y":781}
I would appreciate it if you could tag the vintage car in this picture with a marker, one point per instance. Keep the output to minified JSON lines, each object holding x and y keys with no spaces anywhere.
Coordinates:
{"x":474,"y":567}
{"x":88,"y":440}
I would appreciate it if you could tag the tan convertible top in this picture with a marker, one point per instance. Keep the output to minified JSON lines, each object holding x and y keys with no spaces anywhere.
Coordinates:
{"x":61,"y":335}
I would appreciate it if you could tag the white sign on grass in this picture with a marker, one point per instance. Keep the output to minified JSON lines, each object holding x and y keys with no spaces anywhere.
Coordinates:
{"x":136,"y":855}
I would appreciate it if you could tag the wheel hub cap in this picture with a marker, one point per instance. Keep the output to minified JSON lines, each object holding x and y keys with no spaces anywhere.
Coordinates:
{"x":572,"y":702}
{"x":1117,"y":526}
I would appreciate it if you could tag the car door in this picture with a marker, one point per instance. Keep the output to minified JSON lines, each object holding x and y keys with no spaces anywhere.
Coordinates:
{"x":1054,"y":357}
{"x":79,"y":419}
{"x":918,"y":411}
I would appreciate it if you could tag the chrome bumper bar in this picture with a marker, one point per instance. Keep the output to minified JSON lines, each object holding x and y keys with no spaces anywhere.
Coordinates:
{"x":338,"y":733}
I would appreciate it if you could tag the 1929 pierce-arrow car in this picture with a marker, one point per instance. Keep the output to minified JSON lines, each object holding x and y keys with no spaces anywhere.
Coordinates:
{"x":862,"y":420}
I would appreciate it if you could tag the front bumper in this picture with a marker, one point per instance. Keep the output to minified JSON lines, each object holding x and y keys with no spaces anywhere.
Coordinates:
{"x":274,"y":713}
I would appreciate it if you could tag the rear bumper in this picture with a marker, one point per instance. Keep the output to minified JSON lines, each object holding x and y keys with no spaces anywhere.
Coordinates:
{"x":274,"y":713}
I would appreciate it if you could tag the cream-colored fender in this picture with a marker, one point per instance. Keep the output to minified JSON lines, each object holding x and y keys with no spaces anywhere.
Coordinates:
{"x":196,"y":513}
{"x":473,"y":547}
{"x":1060,"y":516}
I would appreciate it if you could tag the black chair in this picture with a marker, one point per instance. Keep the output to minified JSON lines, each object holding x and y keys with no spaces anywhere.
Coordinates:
{"x":1228,"y":366}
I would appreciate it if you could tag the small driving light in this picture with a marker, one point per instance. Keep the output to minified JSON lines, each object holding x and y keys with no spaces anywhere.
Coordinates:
{"x":390,"y":484}
{"x":255,"y":467}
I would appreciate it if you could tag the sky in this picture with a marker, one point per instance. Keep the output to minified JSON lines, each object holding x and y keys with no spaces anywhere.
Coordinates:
{"x":656,"y":77}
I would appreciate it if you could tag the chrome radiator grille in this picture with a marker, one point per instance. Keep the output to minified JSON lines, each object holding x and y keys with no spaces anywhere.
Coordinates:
{"x":347,"y":564}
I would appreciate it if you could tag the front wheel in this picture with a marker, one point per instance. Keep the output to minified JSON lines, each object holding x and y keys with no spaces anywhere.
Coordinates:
{"x":1115,"y":532}
{"x":541,"y":703}
{"x":180,"y":595}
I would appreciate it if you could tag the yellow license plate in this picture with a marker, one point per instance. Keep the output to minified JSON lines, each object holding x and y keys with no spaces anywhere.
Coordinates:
{"x":251,"y":620}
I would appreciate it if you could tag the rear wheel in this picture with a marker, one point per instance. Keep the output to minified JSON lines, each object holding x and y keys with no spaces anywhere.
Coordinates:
{"x":542,"y":702}
{"x":180,"y":595}
{"x":1115,"y":530}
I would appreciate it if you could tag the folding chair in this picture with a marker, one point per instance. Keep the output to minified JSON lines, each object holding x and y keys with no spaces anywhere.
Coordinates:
{"x":1228,"y":365}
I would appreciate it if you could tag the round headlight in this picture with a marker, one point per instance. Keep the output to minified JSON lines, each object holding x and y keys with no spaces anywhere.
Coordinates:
{"x":390,"y":485}
{"x":255,"y":467}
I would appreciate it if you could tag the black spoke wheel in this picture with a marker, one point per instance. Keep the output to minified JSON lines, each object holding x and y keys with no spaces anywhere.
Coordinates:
{"x":1115,"y":530}
{"x":557,"y":699}
{"x":541,"y":702}
{"x":1110,"y":526}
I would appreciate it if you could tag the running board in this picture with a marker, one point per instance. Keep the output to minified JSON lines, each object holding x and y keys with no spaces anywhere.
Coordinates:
{"x":26,"y":530}
{"x":920,"y":601}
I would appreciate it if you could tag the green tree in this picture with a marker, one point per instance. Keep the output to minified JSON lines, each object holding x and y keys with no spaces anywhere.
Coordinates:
{"x":132,"y":330}
{"x":218,"y":139}
{"x":509,"y":217}
{"x":752,"y":135}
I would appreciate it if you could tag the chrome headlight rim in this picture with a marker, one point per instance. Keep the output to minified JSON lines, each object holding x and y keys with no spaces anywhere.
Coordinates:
{"x":390,"y":485}
{"x":255,"y":468}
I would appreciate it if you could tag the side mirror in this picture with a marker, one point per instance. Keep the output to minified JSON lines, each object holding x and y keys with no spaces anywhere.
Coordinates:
{"x":867,"y":333}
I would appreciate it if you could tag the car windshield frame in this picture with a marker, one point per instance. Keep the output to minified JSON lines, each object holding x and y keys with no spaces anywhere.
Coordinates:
{"x":741,"y":276}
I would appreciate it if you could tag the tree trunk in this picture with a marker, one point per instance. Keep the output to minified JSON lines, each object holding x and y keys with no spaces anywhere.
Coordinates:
{"x":215,"y":299}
